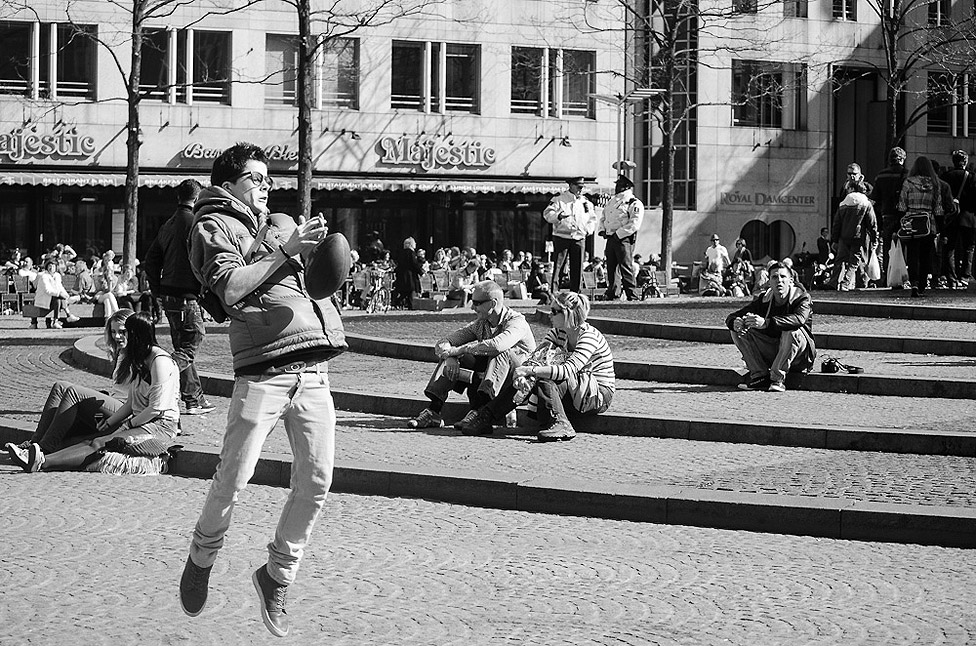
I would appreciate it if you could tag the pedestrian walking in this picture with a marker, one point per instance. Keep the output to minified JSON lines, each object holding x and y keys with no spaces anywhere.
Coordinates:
{"x":171,"y":279}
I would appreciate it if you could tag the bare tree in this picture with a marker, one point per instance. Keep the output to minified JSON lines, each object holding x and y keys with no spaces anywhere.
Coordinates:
{"x":122,"y":29}
{"x":321,"y":25}
{"x":918,"y":37}
{"x":666,"y":42}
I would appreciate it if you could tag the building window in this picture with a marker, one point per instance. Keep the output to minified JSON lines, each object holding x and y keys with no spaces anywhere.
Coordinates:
{"x":435,"y":77}
{"x":44,"y":60}
{"x":166,"y":66}
{"x":562,"y":80}
{"x":339,"y":73}
{"x":211,"y":66}
{"x":745,"y":6}
{"x":768,"y":95}
{"x":578,"y":75}
{"x":280,"y":69}
{"x":774,"y":240}
{"x":845,"y":10}
{"x":939,"y":12}
{"x":795,"y":8}
{"x":951,"y":104}
{"x":15,"y":57}
{"x":527,"y":80}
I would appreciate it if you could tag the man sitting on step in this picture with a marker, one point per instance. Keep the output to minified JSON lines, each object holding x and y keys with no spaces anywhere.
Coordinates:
{"x":774,"y":332}
{"x":480,"y":359}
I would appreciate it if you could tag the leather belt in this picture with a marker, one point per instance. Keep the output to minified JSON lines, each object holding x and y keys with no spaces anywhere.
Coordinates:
{"x":294,"y":368}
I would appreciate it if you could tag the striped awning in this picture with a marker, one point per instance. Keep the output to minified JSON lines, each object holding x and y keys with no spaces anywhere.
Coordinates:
{"x":321,"y":183}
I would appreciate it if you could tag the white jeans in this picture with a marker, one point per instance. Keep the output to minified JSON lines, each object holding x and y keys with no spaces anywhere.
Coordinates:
{"x":304,"y":401}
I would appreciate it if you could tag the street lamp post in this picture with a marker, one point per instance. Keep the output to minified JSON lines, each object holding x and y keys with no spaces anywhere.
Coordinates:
{"x":620,"y":100}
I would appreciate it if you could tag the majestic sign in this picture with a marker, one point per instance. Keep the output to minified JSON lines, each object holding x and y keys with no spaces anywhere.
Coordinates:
{"x":758,"y":198}
{"x":435,"y":152}
{"x":276,"y":152}
{"x":22,"y":143}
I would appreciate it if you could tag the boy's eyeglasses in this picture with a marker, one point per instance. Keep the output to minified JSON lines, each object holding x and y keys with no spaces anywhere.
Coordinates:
{"x":256,"y":178}
{"x":481,"y":301}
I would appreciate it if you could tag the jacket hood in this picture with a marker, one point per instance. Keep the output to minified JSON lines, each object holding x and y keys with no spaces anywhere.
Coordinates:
{"x":856,"y":199}
{"x":218,"y":200}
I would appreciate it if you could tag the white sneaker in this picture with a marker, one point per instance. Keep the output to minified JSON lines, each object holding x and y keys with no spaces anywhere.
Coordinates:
{"x":57,"y":325}
{"x":72,"y":318}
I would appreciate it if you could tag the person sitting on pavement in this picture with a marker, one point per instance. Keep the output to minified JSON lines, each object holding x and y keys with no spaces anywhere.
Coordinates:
{"x":51,"y":296}
{"x":583,"y":381}
{"x":135,"y":438}
{"x":71,"y":412}
{"x":480,"y":358}
{"x":537,"y":284}
{"x":774,"y":332}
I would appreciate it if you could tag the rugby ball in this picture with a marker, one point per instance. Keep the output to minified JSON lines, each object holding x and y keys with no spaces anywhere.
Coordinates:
{"x":328,"y":266}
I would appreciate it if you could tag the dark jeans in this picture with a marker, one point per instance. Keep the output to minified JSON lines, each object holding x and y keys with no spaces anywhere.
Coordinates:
{"x":566,"y":248}
{"x":187,"y":330}
{"x":918,"y":257}
{"x":957,"y":253}
{"x":620,"y":255}
{"x":493,"y":382}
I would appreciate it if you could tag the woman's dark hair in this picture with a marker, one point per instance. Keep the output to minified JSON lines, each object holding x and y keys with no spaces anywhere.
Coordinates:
{"x":922,"y":167}
{"x":141,"y":339}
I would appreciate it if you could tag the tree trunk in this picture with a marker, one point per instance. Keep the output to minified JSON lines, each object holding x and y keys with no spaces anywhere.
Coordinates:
{"x":667,"y":199}
{"x":133,"y":142}
{"x":306,"y":53}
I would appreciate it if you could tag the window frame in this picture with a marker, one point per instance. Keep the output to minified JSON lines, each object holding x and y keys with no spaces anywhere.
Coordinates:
{"x":768,"y":94}
{"x":427,"y":87}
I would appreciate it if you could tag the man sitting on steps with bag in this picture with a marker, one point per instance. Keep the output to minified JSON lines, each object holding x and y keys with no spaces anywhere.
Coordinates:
{"x":774,"y":332}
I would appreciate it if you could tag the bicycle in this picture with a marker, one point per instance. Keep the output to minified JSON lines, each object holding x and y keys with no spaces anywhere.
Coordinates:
{"x":379,"y":296}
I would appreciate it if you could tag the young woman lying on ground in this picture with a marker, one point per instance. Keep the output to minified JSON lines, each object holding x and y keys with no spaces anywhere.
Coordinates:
{"x":136,"y":437}
{"x":72,"y":412}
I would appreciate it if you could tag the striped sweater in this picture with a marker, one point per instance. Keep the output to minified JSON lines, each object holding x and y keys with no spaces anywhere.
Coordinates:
{"x":590,"y":357}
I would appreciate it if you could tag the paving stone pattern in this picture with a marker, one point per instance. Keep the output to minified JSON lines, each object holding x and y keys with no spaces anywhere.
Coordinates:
{"x":877,"y":477}
{"x":94,"y":559}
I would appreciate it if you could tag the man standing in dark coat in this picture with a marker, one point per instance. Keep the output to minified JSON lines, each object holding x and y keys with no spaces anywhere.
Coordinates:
{"x":170,"y":278}
{"x":887,"y":189}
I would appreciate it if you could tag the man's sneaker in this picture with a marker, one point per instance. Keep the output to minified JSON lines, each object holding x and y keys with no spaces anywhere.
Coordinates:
{"x":755,"y":383}
{"x":426,"y":419}
{"x":71,"y":318}
{"x":558,"y":430}
{"x":193,"y":587}
{"x":35,"y":458}
{"x":202,"y":407}
{"x":481,"y":423}
{"x":18,"y":455}
{"x":464,"y":421}
{"x":777,"y":387}
{"x":272,"y":597}
{"x":57,"y":325}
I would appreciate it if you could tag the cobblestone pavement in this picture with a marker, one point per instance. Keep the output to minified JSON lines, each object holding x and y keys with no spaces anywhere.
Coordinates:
{"x":94,"y":559}
{"x":877,"y":477}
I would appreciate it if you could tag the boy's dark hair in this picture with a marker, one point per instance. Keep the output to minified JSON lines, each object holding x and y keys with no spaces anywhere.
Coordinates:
{"x":778,"y":265}
{"x":231,"y":162}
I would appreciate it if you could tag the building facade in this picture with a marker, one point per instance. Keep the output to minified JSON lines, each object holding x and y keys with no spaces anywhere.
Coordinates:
{"x":781,"y":98}
{"x":454,"y":125}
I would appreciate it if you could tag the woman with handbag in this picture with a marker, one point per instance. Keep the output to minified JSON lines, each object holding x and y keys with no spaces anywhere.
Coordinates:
{"x":920,"y":202}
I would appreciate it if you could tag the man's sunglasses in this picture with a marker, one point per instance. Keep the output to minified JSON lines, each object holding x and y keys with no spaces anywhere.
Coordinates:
{"x":256,"y":178}
{"x":481,"y":301}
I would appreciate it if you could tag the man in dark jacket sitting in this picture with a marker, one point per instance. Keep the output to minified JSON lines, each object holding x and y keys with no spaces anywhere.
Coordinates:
{"x":774,"y":332}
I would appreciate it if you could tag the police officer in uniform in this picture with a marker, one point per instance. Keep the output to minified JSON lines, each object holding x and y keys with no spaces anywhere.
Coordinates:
{"x":573,"y":218}
{"x":619,"y":224}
